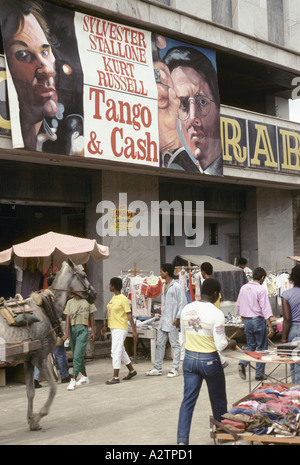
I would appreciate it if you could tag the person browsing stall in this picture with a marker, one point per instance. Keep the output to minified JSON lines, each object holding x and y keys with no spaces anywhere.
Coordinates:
{"x":291,"y":317}
{"x":119,"y":314}
{"x":173,"y":300}
{"x":254,"y":307}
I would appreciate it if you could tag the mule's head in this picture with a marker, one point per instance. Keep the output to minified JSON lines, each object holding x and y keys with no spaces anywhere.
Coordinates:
{"x":81,"y":285}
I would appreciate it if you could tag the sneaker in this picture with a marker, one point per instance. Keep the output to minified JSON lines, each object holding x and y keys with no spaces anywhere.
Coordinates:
{"x":242,"y":371}
{"x":154,"y":372}
{"x":172,"y":373}
{"x":72,"y":385}
{"x":113,"y":381}
{"x":130,"y":375}
{"x":84,"y":380}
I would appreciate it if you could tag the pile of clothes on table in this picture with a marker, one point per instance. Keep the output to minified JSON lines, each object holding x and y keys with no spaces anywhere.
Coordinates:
{"x":234,"y":320}
{"x":270,"y":409}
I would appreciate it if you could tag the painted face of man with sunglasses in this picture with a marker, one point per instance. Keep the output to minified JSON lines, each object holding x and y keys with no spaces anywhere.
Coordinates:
{"x":199,"y":116}
{"x":32,"y":66}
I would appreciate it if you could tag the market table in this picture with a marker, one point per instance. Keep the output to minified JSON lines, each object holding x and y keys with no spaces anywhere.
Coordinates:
{"x":144,"y":334}
{"x":248,"y":436}
{"x":236,"y":328}
{"x":248,"y":358}
{"x":224,"y":434}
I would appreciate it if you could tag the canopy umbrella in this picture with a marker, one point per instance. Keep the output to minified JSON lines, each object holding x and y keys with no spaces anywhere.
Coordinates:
{"x":297,"y":259}
{"x":53,"y":248}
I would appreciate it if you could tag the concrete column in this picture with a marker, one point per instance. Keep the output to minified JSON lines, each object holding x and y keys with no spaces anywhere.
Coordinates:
{"x":274,"y":228}
{"x":95,"y":269}
{"x":248,"y":226}
{"x":127,"y":250}
{"x":278,"y":106}
{"x":296,"y":218}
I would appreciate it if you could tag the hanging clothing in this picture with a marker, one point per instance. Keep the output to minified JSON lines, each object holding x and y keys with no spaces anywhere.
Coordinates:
{"x":182,"y":279}
{"x":197,"y":279}
{"x":192,"y":294}
{"x":152,"y":286}
{"x":141,"y":305}
{"x":283,"y":283}
{"x":32,"y":282}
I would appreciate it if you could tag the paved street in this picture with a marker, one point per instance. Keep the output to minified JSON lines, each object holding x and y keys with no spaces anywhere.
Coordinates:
{"x":141,"y":411}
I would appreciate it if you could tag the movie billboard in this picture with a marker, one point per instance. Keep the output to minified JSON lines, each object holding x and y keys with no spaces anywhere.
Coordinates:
{"x":80,"y":85}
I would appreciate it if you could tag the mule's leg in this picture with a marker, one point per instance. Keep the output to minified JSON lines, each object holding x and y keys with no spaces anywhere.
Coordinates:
{"x":47,"y":374}
{"x":29,"y":368}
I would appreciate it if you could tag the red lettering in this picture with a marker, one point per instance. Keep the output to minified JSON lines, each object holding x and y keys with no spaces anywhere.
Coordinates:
{"x":113,"y":142}
{"x":141,"y":149}
{"x":97,"y":93}
{"x":150,"y":143}
{"x":129,"y":151}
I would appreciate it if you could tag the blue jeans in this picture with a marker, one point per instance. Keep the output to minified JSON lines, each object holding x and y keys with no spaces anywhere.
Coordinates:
{"x":62,"y":361}
{"x":294,"y":335}
{"x":257,"y":339}
{"x":162,"y":338}
{"x":196,"y":368}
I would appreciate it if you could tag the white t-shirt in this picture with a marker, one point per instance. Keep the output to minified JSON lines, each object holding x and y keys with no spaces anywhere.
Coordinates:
{"x":203,"y":327}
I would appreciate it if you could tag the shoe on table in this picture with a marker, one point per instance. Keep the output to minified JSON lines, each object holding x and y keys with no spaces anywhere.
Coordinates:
{"x":154,"y":372}
{"x":172,"y":373}
{"x":113,"y":381}
{"x":130,"y":375}
{"x":242,"y":371}
{"x":84,"y":381}
{"x":72,"y":385}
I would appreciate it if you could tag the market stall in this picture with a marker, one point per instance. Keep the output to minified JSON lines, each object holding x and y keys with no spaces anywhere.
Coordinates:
{"x":270,"y":413}
{"x":231,"y":277}
{"x":140,"y":287}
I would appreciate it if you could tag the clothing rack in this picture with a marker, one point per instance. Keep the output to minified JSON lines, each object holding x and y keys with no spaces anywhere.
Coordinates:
{"x":134,"y":272}
{"x":187,"y":267}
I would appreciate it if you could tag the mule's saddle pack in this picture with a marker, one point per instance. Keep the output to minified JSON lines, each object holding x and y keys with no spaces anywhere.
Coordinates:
{"x":17,"y":311}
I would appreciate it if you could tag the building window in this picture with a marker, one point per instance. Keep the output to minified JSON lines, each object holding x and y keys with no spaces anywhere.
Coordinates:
{"x":221,"y":12}
{"x":275,"y":21}
{"x":164,"y":2}
{"x":213,"y":234}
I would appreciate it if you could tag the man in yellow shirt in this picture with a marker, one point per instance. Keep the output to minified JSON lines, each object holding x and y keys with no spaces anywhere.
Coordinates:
{"x":119,"y":313}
